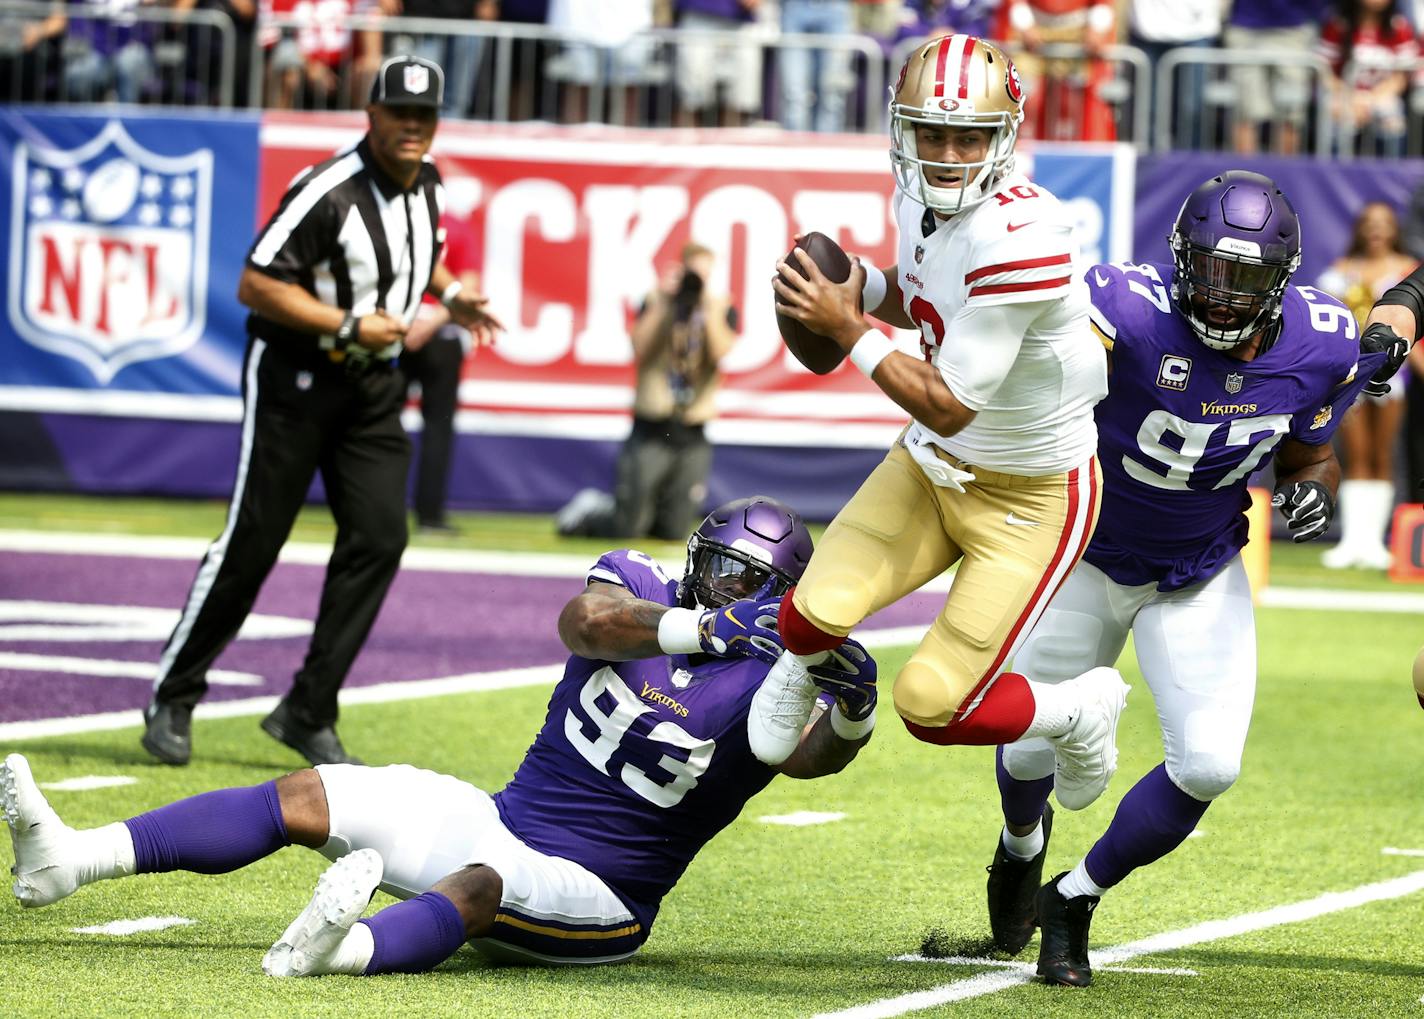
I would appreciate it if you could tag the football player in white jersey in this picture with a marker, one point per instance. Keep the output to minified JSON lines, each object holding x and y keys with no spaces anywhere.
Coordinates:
{"x":996,"y":471}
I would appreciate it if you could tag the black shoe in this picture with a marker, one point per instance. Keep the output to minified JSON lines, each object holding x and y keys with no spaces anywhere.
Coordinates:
{"x":437,"y":529}
{"x":319,"y":746}
{"x":168,"y":732}
{"x":1063,"y":951}
{"x":1013,"y":886}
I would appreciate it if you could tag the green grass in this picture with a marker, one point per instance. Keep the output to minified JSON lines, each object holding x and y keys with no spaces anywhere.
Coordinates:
{"x":774,"y":921}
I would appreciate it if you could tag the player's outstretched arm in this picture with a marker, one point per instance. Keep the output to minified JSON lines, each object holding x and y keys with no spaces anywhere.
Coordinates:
{"x":835,"y":735}
{"x":609,"y":623}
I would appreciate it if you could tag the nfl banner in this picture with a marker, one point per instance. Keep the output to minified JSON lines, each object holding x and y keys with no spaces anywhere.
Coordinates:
{"x":126,"y":236}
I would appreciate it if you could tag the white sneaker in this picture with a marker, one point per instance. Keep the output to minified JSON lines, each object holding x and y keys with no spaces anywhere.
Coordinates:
{"x":584,"y":504}
{"x":780,"y":710}
{"x":342,"y":894}
{"x":1341,"y":557}
{"x":1086,"y":755}
{"x":45,"y":869}
{"x":1374,"y":557}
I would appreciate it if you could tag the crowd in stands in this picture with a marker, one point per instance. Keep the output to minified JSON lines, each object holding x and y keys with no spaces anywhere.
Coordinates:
{"x":804,"y":64}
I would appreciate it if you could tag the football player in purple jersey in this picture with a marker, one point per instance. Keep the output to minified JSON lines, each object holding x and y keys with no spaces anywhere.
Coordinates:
{"x":643,"y":757}
{"x":1216,"y":363}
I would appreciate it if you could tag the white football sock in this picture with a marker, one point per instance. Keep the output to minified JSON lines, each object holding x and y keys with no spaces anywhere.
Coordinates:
{"x":1079,"y":883}
{"x":354,"y":953}
{"x":1023,"y":847}
{"x":1055,"y":709}
{"x":103,"y":853}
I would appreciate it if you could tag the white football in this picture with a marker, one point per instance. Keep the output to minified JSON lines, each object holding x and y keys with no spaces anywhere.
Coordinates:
{"x":110,"y":191}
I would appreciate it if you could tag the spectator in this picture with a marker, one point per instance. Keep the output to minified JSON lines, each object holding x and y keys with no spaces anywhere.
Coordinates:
{"x":460,"y":55}
{"x":29,"y":51}
{"x":706,"y":64}
{"x":922,"y":19}
{"x":1156,"y":26}
{"x":434,"y":350}
{"x":1069,"y":107}
{"x":814,"y":81}
{"x":1375,"y":262}
{"x":680,"y":337}
{"x":878,"y":18}
{"x":606,"y":46}
{"x":111,"y":52}
{"x":205,"y":53}
{"x":1265,"y":92}
{"x":1368,"y":43}
{"x":306,"y":54}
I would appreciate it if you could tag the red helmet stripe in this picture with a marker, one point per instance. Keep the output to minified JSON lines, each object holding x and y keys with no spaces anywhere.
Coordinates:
{"x":964,"y":67}
{"x":941,"y":64}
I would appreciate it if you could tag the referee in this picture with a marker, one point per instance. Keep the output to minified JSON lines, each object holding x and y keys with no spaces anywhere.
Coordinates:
{"x":332,"y":282}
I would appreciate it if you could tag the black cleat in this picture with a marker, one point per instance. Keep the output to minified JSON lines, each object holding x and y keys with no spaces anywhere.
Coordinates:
{"x":1063,"y":951}
{"x":1013,"y":886}
{"x":318,"y":745}
{"x":168,"y":732}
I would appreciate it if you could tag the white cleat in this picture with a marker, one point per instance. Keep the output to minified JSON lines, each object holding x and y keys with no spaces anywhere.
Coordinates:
{"x":44,"y":869}
{"x":780,"y":710}
{"x":1086,"y":755}
{"x":309,"y":947}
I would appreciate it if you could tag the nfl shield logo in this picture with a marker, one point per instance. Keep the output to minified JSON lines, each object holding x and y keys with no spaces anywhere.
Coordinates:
{"x":109,"y":250}
{"x":417,"y":79}
{"x":1233,"y":382}
{"x":919,"y":253}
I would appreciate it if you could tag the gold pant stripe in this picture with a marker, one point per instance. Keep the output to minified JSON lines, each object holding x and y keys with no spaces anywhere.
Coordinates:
{"x":559,"y":932}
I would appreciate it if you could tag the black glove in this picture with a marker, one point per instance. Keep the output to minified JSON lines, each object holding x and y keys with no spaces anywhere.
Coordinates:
{"x":1307,"y":506}
{"x":1380,"y":337}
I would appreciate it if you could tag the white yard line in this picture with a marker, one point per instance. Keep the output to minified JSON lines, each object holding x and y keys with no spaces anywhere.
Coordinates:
{"x":1169,"y":941}
{"x":1392,"y":851}
{"x":123,"y":928}
{"x":1029,"y":967}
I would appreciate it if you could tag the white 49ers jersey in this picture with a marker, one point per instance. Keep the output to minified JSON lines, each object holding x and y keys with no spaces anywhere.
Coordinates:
{"x":1033,"y":393}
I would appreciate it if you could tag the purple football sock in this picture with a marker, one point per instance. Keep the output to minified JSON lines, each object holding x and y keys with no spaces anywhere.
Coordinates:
{"x":1022,"y":800}
{"x":1154,"y":818}
{"x":210,"y":834}
{"x":416,"y":935}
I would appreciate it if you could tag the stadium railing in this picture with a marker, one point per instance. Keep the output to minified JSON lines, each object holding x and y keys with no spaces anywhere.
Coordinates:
{"x":179,"y":58}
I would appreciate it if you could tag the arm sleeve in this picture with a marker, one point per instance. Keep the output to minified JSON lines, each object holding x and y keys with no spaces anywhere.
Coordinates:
{"x":637,"y":572}
{"x":980,"y":346}
{"x":300,"y":234}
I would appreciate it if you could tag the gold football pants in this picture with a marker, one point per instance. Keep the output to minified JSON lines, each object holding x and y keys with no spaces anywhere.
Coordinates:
{"x":1016,"y":538}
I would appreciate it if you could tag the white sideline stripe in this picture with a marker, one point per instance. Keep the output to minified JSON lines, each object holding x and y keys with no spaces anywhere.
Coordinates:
{"x":802,"y":818}
{"x":86,"y":782}
{"x":967,"y":960}
{"x":381,"y":693}
{"x":111,"y":667}
{"x":123,"y":928}
{"x":1212,"y":930}
{"x":1392,"y":851}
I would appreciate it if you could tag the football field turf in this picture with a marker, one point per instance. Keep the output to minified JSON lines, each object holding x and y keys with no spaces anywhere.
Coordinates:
{"x":794,"y":920}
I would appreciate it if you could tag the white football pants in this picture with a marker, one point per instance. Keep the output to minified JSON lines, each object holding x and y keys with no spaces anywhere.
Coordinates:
{"x":1196,"y":648}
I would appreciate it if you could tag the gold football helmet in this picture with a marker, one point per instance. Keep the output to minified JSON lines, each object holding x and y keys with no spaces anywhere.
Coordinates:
{"x":955,"y":81}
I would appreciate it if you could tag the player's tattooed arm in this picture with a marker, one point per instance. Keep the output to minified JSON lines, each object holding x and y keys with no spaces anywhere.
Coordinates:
{"x":609,"y":623}
{"x":821,"y":752}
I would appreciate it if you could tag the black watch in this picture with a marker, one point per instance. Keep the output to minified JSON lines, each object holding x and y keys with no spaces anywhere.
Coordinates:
{"x":346,"y":332}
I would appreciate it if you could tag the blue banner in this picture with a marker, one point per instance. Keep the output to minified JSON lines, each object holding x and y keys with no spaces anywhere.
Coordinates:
{"x":126,"y":239}
{"x":1095,"y":183}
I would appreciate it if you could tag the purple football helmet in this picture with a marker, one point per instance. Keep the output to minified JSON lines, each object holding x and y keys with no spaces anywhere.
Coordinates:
{"x":1235,"y":244}
{"x":748,"y":548}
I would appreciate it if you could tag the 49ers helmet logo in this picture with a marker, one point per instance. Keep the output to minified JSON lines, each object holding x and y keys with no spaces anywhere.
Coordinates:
{"x":904,"y":70}
{"x":1013,"y":82}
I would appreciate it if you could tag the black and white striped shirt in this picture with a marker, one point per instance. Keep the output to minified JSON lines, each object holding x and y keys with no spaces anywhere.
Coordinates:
{"x":350,"y":236}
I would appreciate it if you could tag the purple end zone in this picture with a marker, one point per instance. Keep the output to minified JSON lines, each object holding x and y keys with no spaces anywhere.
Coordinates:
{"x":433,"y":624}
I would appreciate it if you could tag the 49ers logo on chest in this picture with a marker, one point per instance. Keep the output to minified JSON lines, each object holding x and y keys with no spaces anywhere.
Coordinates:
{"x":109,"y":250}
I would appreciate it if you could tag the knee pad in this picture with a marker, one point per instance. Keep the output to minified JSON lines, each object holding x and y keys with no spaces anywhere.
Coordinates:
{"x":924,"y":697}
{"x":1205,"y":776}
{"x":799,"y":635}
{"x":1029,"y":760}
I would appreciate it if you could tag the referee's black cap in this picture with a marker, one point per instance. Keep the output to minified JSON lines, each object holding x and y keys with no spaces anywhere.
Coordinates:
{"x":408,"y":81}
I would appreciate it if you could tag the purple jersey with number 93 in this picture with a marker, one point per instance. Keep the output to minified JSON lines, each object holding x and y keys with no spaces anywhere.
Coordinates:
{"x":639,"y":763}
{"x":1184,"y":427}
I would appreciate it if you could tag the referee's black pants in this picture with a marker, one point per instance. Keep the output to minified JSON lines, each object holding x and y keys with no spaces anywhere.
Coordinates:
{"x":302,"y":413}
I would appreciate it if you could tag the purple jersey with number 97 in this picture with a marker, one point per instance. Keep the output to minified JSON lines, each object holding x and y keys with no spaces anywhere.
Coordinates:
{"x":1184,"y":427}
{"x":639,"y":763}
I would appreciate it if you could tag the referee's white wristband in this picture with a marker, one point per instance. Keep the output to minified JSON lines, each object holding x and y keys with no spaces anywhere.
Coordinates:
{"x":870,"y":350}
{"x":872,"y":295}
{"x":677,"y":632}
{"x":848,"y":730}
{"x":451,"y":292}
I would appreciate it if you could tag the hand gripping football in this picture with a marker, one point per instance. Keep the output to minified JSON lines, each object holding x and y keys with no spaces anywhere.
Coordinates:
{"x":818,"y":353}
